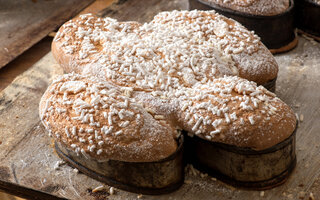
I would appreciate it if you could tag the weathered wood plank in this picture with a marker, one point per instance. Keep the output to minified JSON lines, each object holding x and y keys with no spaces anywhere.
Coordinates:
{"x":28,"y":159}
{"x":298,"y":86}
{"x":22,"y":63}
{"x":97,"y":6}
{"x":25,"y":22}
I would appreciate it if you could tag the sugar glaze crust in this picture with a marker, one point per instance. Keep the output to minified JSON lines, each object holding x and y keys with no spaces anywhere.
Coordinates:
{"x":105,"y":121}
{"x":255,"y":7}
{"x":177,"y":48}
{"x":102,"y":121}
{"x":235,"y":111}
{"x":171,"y":73}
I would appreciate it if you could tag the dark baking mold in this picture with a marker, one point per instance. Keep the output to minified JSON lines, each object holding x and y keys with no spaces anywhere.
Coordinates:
{"x":153,"y":178}
{"x":243,"y":167}
{"x":238,"y":166}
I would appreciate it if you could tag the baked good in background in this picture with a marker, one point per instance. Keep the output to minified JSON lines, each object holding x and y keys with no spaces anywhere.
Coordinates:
{"x":138,"y":85}
{"x":271,"y":20}
{"x":255,"y":7}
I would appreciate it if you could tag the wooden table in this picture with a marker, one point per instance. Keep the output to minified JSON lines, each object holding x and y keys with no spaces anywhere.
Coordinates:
{"x":25,"y":22}
{"x":27,"y":159}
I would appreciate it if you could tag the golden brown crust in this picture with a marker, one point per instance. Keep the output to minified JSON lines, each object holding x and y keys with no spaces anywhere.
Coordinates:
{"x":139,"y":69}
{"x":252,"y":59}
{"x":99,"y":121}
{"x":65,"y":60}
{"x":220,"y":46}
{"x":236,"y":112}
{"x":230,"y":110}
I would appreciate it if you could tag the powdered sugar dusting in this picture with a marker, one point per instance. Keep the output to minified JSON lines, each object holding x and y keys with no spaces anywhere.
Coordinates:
{"x":234,"y":111}
{"x":256,"y":7}
{"x":178,"y":47}
{"x":147,"y":81}
{"x":100,"y":121}
{"x":103,"y":122}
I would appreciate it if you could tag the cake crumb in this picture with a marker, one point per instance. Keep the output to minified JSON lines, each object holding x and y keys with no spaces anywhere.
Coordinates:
{"x":301,"y":117}
{"x":111,"y":191}
{"x":297,"y":117}
{"x":311,"y":196}
{"x":203,"y":175}
{"x":213,"y":179}
{"x":262,"y":194}
{"x":75,"y":170}
{"x":297,"y":105}
{"x":140,"y":196}
{"x":187,"y":181}
{"x":58,"y":165}
{"x":193,"y":171}
{"x":99,"y":188}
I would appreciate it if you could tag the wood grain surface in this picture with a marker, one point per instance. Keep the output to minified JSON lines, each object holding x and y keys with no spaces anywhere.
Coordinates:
{"x":23,"y":62}
{"x":27,"y":157}
{"x":36,"y":52}
{"x":25,"y":22}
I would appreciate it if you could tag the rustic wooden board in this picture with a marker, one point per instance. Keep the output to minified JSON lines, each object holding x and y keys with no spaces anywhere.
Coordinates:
{"x":28,"y":159}
{"x":25,"y":22}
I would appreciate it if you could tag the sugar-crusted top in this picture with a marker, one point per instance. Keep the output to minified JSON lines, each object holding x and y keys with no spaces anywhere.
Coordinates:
{"x":165,"y":76}
{"x":256,"y":7}
{"x":176,"y":49}
{"x":234,"y":111}
{"x":105,"y":121}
